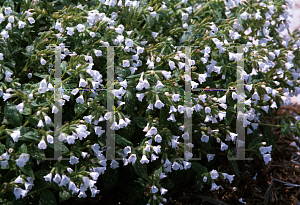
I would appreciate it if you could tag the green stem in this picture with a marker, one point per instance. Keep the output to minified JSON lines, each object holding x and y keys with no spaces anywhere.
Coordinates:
{"x":280,"y":117}
{"x":5,"y":136}
{"x":41,"y":189}
{"x":202,"y":8}
{"x":271,"y":125}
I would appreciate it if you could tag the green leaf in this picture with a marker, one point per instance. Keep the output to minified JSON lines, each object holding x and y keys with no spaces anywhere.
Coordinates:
{"x":47,"y":198}
{"x":141,"y":121}
{"x":27,"y":169}
{"x":122,"y":72}
{"x":33,"y":120}
{"x":23,"y":149}
{"x":2,"y":148}
{"x":12,"y":114}
{"x":229,"y":117}
{"x":150,"y":20}
{"x":268,"y":137}
{"x":122,"y":141}
{"x":36,"y":153}
{"x":234,"y":164}
{"x":128,"y":131}
{"x":130,"y":99}
{"x":64,"y":65}
{"x":167,"y":183}
{"x":140,"y":169}
{"x":64,"y":194}
{"x":80,"y":108}
{"x":157,"y":172}
{"x":110,"y":178}
{"x":163,"y":115}
{"x":41,"y":173}
{"x":254,"y":142}
{"x":199,"y":168}
{"x":285,"y":130}
{"x":198,"y":182}
{"x":10,"y":143}
{"x":29,"y":136}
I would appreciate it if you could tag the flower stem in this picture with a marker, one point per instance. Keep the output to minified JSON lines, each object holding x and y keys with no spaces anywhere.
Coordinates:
{"x":5,"y":136}
{"x":202,"y":8}
{"x":41,"y":189}
{"x":271,"y":125}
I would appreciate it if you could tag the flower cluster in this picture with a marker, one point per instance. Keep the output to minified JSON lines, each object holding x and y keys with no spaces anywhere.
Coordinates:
{"x":150,"y":75}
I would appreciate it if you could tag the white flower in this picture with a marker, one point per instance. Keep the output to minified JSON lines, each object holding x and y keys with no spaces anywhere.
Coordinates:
{"x":42,"y":144}
{"x":98,"y":52}
{"x":144,"y":160}
{"x":64,"y":181}
{"x":248,"y":31}
{"x":16,"y":135}
{"x":31,"y":20}
{"x":20,"y":107}
{"x":214,"y":174}
{"x":172,"y":118}
{"x":43,"y":62}
{"x":22,"y":160}
{"x":75,"y":91}
{"x":47,"y":120}
{"x":82,"y":83}
{"x":167,"y":74}
{"x":205,"y":138}
{"x":7,"y":10}
{"x":57,"y":26}
{"x":128,"y":42}
{"x":49,"y":139}
{"x":80,"y":99}
{"x":74,"y":160}
{"x":48,"y":177}
{"x":202,"y":78}
{"x":4,"y":34}
{"x":71,"y":139}
{"x":18,"y":192}
{"x":70,"y":170}
{"x":188,"y":155}
{"x":57,"y":178}
{"x":21,"y":24}
{"x":154,"y":34}
{"x":154,"y":189}
{"x":210,"y":157}
{"x":158,"y":138}
{"x":175,"y":166}
{"x":70,"y":31}
{"x":223,"y":146}
{"x":11,"y":19}
{"x":92,"y":34}
{"x":214,"y":187}
{"x":80,"y":27}
{"x":158,"y":104}
{"x":98,"y":130}
{"x":241,"y":200}
{"x":172,"y":65}
{"x":126,"y":63}
{"x":19,"y":180}
{"x":4,"y":163}
{"x":40,"y":124}
{"x":267,"y":158}
{"x":153,"y":14}
{"x":185,"y":16}
{"x":132,"y":158}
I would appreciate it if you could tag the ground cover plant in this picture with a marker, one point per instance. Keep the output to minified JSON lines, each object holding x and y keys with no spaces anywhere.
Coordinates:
{"x":149,"y":94}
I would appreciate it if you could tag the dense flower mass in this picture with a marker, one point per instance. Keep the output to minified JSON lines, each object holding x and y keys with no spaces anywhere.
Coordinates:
{"x":66,"y":108}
